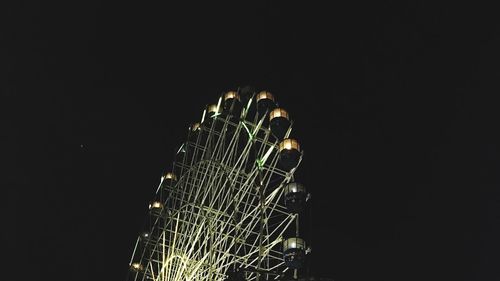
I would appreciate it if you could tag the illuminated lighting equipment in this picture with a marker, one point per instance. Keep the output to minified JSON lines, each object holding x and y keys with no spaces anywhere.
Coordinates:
{"x":170,"y":176}
{"x":265,"y":102}
{"x":212,"y":110}
{"x":278,"y":112}
{"x":145,"y":235}
{"x":194,"y":131}
{"x":265,"y":95}
{"x":290,"y":154}
{"x":295,"y":197}
{"x":231,"y":95}
{"x":294,"y":251}
{"x":136,"y":267}
{"x":289,"y":144}
{"x":279,"y":122}
{"x":232,"y":104}
{"x":168,"y":179}
{"x":156,"y":206}
{"x":223,"y":209}
{"x":195,"y":127}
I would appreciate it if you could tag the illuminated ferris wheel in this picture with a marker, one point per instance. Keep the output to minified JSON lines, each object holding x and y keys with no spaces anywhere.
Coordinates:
{"x":229,"y":209}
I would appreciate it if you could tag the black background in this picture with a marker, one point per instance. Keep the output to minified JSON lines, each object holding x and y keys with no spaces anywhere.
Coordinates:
{"x":394,"y":105}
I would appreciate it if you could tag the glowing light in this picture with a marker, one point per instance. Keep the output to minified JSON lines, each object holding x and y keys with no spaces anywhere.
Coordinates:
{"x":265,"y":95}
{"x":195,"y":126}
{"x":294,"y":187}
{"x":294,"y":243}
{"x":170,"y":176}
{"x":212,"y":108}
{"x":231,"y":95}
{"x":289,"y":144}
{"x":278,"y":112}
{"x":155,"y":205}
{"x":137,"y":266}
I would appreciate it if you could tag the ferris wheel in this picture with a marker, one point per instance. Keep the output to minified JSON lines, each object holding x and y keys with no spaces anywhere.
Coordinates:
{"x":229,"y":208}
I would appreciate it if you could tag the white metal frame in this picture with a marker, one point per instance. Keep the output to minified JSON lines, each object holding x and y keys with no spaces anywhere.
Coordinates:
{"x":226,"y":209}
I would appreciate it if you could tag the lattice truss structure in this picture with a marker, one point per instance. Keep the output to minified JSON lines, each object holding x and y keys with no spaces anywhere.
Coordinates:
{"x":222,"y":208}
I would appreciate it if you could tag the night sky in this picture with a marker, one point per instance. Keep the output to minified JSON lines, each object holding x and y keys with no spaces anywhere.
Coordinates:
{"x":394,"y":105}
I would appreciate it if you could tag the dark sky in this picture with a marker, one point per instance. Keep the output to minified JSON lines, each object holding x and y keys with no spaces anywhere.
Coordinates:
{"x":394,"y":104}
